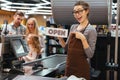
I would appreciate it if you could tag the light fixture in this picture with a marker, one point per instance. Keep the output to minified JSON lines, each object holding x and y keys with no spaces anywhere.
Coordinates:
{"x":29,"y":8}
{"x":26,"y":16}
{"x":44,"y":17}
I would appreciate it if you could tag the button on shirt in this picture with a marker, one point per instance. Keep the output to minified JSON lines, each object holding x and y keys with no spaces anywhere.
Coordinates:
{"x":10,"y":29}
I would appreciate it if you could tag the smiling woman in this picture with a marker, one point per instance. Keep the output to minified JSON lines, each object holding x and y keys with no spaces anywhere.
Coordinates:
{"x":80,"y":44}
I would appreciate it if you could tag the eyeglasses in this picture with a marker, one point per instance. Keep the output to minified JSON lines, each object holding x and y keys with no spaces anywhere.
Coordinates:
{"x":77,"y":12}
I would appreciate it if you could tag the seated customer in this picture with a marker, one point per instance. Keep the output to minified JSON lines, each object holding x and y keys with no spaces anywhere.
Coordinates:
{"x":34,"y":48}
{"x":34,"y":52}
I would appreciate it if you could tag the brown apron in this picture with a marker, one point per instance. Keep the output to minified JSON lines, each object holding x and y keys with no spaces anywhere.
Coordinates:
{"x":77,"y":63}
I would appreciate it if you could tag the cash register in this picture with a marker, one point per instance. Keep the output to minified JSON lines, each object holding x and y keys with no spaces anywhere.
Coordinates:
{"x":13,"y":47}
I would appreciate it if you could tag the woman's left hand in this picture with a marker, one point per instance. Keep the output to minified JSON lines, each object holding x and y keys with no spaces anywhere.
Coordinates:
{"x":80,"y":36}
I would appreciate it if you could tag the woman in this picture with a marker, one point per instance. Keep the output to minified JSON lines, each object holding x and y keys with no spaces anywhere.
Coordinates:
{"x":34,"y":52}
{"x":80,"y":44}
{"x":34,"y":48}
{"x":32,"y":28}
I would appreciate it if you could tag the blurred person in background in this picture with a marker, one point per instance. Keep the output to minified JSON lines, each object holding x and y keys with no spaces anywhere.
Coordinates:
{"x":15,"y":27}
{"x":34,"y":48}
{"x":34,"y":52}
{"x":32,"y":28}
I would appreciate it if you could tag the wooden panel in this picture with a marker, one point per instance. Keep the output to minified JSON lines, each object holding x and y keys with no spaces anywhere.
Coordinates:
{"x":2,"y":12}
{"x":6,"y":15}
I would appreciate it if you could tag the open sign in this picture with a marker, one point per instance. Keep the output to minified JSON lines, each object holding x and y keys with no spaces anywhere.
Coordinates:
{"x":57,"y":32}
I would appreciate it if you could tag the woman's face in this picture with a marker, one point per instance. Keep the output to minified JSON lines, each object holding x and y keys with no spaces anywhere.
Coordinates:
{"x":80,"y":13}
{"x":31,"y":26}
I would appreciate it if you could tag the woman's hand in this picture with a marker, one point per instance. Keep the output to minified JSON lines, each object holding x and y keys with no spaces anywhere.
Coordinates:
{"x":20,"y":58}
{"x":61,"y":42}
{"x":80,"y":36}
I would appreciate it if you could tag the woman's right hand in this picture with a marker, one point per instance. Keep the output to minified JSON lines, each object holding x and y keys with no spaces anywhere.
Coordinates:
{"x":59,"y":38}
{"x":61,"y":41}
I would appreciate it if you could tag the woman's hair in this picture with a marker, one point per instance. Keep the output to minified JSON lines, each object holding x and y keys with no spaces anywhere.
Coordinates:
{"x":35,"y":42}
{"x":35,"y":31}
{"x":84,"y":4}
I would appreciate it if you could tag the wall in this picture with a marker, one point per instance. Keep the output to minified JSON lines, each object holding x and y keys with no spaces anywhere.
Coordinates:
{"x":40,"y":19}
{"x":5,"y":15}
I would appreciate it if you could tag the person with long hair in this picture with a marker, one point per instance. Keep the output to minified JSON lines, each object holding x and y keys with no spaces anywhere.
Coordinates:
{"x":34,"y":48}
{"x":32,"y":28}
{"x":34,"y":52}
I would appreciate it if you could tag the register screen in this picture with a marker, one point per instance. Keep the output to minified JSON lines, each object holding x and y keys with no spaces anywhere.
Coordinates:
{"x":18,"y":46}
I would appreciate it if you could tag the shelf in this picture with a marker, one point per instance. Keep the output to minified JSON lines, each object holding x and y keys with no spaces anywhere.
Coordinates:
{"x":52,"y":45}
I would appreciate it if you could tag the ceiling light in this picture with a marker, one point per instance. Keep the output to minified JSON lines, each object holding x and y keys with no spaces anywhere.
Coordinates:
{"x":44,"y":17}
{"x":26,"y":16}
{"x":42,"y":7}
{"x":7,"y":9}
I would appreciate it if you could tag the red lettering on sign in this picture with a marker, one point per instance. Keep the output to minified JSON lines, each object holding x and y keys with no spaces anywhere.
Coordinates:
{"x":58,"y":32}
{"x":50,"y":31}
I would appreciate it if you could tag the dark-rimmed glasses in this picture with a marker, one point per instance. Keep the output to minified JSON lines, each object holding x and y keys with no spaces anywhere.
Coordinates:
{"x":78,"y":12}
